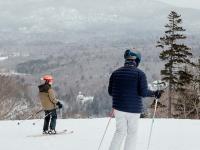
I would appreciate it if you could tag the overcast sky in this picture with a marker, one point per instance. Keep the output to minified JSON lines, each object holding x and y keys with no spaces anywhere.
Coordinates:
{"x":184,"y":3}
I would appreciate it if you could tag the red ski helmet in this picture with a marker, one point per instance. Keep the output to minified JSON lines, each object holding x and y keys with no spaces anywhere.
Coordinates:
{"x":47,"y":78}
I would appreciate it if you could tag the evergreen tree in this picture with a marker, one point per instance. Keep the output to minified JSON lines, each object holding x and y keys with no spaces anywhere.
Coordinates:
{"x":198,"y":75}
{"x":175,"y":54}
{"x":185,"y":78}
{"x":184,"y":102}
{"x":188,"y":102}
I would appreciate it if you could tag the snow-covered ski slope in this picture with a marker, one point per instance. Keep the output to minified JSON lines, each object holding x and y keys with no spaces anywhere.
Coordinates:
{"x":168,"y":134}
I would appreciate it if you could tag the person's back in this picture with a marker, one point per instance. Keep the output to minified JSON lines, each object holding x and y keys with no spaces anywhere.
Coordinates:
{"x":47,"y":97}
{"x":127,"y":86}
{"x":125,"y":92}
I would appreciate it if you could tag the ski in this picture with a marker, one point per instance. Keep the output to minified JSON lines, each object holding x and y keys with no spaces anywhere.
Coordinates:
{"x":65,"y":131}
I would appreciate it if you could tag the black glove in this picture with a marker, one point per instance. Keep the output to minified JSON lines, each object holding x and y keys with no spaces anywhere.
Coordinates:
{"x":59,"y":105}
{"x":158,"y":94}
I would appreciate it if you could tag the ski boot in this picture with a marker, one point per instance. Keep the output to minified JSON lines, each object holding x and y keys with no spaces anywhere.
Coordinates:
{"x":45,"y":132}
{"x":52,"y":131}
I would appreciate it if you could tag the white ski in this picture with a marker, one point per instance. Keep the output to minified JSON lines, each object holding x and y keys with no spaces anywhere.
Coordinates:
{"x":65,"y":131}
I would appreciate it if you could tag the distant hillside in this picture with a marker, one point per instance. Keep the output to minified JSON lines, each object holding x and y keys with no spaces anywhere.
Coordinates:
{"x":17,"y":99}
{"x":67,"y":21}
{"x":81,"y":43}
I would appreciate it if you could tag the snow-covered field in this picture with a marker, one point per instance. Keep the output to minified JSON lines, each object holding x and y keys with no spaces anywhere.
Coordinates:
{"x":168,"y":134}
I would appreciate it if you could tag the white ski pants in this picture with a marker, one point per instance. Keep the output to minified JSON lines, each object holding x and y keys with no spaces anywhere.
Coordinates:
{"x":126,"y":126}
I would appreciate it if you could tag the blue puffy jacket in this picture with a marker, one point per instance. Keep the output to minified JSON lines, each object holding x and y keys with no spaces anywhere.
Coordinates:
{"x":127,"y":86}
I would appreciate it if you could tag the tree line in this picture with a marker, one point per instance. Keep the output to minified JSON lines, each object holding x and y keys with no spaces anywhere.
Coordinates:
{"x":181,"y":70}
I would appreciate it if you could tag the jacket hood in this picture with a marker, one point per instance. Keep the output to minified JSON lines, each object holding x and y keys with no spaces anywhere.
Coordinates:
{"x":44,"y":87}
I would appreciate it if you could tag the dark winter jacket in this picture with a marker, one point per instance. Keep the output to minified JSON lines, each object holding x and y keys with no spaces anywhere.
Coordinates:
{"x":127,"y":86}
{"x":47,"y":97}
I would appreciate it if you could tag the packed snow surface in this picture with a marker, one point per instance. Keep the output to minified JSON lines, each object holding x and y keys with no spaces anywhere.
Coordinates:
{"x":168,"y":134}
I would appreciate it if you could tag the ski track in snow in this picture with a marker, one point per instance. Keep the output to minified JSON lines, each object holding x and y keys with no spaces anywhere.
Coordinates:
{"x":168,"y":134}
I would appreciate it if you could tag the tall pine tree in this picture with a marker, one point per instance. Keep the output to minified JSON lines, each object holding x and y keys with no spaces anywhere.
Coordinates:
{"x":175,"y":54}
{"x":198,"y":76}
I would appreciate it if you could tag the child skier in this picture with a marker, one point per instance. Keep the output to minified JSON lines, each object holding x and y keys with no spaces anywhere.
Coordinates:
{"x":127,"y":86}
{"x":49,"y":104}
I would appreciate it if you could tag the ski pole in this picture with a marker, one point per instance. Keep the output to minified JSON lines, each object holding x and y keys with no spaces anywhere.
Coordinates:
{"x":45,"y":116}
{"x":33,"y":114}
{"x":111,"y":115}
{"x":152,"y":123}
{"x":159,"y":84}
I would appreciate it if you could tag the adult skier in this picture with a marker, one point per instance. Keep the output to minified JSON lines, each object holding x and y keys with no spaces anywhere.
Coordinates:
{"x":127,"y":86}
{"x":49,"y":104}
